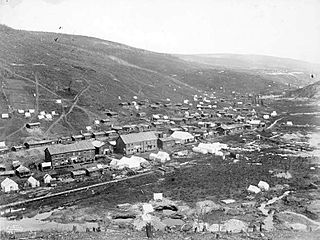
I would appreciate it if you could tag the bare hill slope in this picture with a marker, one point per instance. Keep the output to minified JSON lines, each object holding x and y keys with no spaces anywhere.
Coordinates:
{"x":91,"y":75}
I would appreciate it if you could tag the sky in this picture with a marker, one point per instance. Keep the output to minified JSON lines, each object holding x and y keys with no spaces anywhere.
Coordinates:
{"x":283,"y":28}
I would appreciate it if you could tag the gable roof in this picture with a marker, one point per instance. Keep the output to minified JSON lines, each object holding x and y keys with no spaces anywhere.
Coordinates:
{"x":32,"y":180}
{"x":138,"y":137}
{"x":47,"y":176}
{"x":97,"y":143}
{"x":22,"y":169}
{"x":75,"y":147}
{"x":8,"y":182}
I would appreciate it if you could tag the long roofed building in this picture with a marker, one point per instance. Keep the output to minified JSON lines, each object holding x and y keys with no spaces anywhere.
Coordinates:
{"x":78,"y":152}
{"x":136,"y":143}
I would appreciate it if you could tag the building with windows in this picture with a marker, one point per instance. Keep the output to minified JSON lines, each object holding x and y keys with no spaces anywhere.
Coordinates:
{"x":136,"y":143}
{"x":78,"y":152}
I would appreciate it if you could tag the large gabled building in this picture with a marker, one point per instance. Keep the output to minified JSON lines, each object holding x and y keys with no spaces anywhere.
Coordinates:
{"x":78,"y":152}
{"x":136,"y":143}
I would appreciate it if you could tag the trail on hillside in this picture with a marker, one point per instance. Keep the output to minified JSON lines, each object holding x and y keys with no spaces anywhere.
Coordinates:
{"x":65,"y":115}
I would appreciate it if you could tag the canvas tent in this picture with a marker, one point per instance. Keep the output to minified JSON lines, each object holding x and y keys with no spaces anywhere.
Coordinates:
{"x":133,"y":162}
{"x":160,"y":156}
{"x":213,"y":148}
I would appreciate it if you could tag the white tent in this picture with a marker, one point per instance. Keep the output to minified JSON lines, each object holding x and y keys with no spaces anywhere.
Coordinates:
{"x":274,"y":114}
{"x":9,"y":185}
{"x":132,"y":163}
{"x":200,"y":150}
{"x":289,"y":123}
{"x":160,"y":156}
{"x":253,"y":189}
{"x":213,"y":148}
{"x":264,"y":186}
{"x":4,"y":115}
{"x":48,"y":116}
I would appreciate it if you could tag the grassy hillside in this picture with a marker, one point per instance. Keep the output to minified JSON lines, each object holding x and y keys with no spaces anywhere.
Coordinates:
{"x":91,"y":75}
{"x":311,"y":91}
{"x":282,"y":70}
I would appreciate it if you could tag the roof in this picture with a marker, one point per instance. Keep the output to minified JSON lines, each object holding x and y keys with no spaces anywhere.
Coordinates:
{"x":166,"y":139}
{"x":47,"y":176}
{"x":46,"y":164}
{"x":8,"y":182}
{"x":78,"y":172}
{"x":77,"y":136}
{"x":138,"y":137}
{"x":231,"y":126}
{"x":32,"y":180}
{"x":182,"y":135}
{"x":33,"y":123}
{"x":42,"y":142}
{"x":75,"y":147}
{"x":22,"y":168}
{"x":97,"y":143}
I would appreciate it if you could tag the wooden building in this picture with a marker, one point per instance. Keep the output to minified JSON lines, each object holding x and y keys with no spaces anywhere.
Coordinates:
{"x":166,"y":143}
{"x":78,"y":152}
{"x":33,"y":125}
{"x":136,"y":143}
{"x":42,"y":143}
{"x":229,"y":129}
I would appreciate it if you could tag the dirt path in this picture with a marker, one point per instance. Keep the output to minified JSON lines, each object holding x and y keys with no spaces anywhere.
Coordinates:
{"x":274,"y":123}
{"x":65,"y":115}
{"x":39,"y":84}
{"x":36,"y":82}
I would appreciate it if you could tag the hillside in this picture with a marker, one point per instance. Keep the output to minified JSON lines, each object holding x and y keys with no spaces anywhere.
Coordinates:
{"x":311,"y":91}
{"x":282,"y":70}
{"x":91,"y":75}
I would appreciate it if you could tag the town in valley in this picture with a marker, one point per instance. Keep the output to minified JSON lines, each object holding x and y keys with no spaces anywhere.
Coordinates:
{"x":100,"y":140}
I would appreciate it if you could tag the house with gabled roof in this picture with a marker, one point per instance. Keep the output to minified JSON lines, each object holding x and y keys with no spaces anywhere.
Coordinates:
{"x":32,"y":182}
{"x":47,"y":178}
{"x":8,"y":185}
{"x":23,"y":171}
{"x":136,"y":143}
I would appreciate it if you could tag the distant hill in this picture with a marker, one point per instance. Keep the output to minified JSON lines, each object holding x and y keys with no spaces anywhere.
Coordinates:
{"x":282,"y":70}
{"x":311,"y":91}
{"x":91,"y":75}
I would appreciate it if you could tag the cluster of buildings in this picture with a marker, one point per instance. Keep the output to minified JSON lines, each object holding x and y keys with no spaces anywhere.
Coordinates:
{"x":149,"y":131}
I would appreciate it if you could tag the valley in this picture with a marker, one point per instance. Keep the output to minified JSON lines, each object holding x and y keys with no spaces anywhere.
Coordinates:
{"x":201,"y":146}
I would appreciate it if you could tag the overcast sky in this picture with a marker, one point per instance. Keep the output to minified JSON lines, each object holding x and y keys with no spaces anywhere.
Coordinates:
{"x":285,"y":28}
